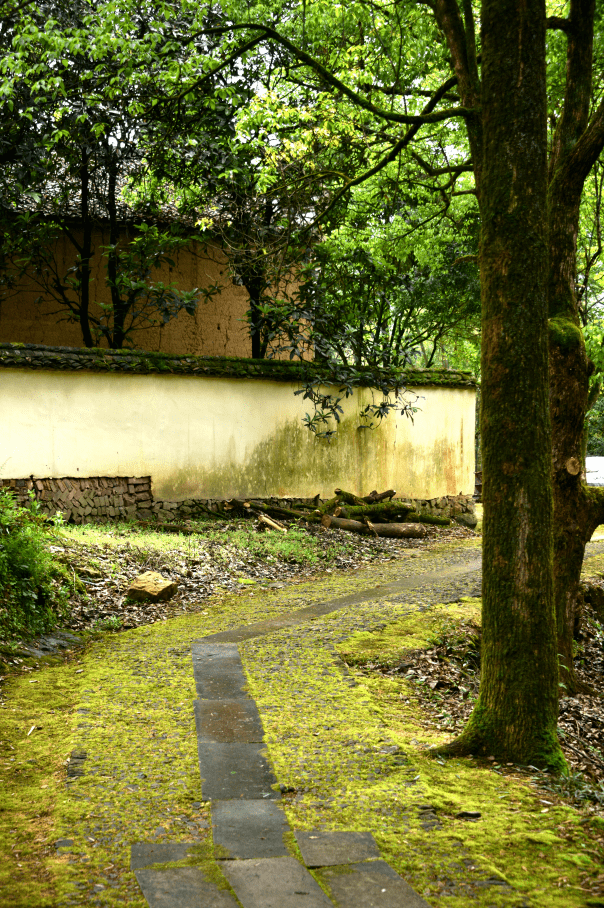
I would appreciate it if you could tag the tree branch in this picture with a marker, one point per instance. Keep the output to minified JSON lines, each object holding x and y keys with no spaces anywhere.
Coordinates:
{"x":249,"y":45}
{"x":578,"y":162}
{"x":334,"y":82}
{"x":439,"y":171}
{"x":558,"y":23}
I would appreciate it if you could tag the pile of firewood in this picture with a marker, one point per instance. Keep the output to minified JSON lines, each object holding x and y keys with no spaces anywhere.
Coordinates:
{"x":376,"y":514}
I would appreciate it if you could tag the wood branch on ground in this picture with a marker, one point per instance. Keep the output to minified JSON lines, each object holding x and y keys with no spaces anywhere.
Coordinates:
{"x":269,"y":523}
{"x":391,"y":530}
{"x":378,"y":507}
{"x":286,"y":513}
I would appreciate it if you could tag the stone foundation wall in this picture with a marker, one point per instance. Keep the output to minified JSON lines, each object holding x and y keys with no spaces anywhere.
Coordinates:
{"x":94,"y":500}
{"x":104,"y":498}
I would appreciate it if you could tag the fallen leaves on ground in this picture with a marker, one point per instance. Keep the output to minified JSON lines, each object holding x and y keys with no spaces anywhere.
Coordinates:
{"x":203,"y":567}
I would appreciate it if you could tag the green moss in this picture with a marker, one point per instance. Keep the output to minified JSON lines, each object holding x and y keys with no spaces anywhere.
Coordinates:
{"x":311,"y":715}
{"x":100,"y":359}
{"x":137,"y":689}
{"x":564,"y":333}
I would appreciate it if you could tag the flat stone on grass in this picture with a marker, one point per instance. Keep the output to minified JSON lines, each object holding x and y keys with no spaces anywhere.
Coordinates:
{"x":275,"y":883}
{"x":184,"y":887}
{"x":249,"y":829}
{"x":143,"y":854}
{"x":234,"y":771}
{"x":372,"y":885}
{"x":224,"y":721}
{"x":325,"y":849}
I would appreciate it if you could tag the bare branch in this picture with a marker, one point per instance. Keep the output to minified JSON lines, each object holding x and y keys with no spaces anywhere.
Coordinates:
{"x":467,"y":166}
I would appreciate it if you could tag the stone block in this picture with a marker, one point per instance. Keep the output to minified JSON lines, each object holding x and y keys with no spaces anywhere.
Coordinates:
{"x":143,"y":854}
{"x":186,"y":887}
{"x":373,"y":884}
{"x":235,"y":770}
{"x":225,"y":721}
{"x":151,"y":587}
{"x":275,"y":883}
{"x":249,"y":829}
{"x":325,"y":849}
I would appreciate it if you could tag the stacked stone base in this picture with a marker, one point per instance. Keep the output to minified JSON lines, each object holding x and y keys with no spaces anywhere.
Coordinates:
{"x":105,"y":498}
{"x":99,"y":499}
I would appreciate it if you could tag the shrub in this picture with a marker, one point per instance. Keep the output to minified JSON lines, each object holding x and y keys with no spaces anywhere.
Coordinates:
{"x":33,"y":593}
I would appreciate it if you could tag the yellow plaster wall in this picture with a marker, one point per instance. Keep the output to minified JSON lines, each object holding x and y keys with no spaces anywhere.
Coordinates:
{"x":218,"y":327}
{"x":220,"y":437}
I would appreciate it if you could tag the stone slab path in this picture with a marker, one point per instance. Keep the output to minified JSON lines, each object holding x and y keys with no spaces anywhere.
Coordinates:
{"x":249,"y":826}
{"x":140,"y":749}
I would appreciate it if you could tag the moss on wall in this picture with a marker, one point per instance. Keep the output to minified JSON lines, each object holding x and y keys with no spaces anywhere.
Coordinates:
{"x":38,"y":356}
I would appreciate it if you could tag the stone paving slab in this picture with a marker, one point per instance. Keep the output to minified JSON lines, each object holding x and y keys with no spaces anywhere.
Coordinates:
{"x":325,"y":849}
{"x":372,"y":885}
{"x":182,"y":887}
{"x":224,"y":721}
{"x":249,"y":829}
{"x":203,"y":650}
{"x":275,"y":883}
{"x":235,"y":771}
{"x":301,"y":616}
{"x":217,"y":674}
{"x":144,"y":854}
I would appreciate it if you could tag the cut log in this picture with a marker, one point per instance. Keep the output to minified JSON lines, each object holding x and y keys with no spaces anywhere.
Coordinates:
{"x":349,"y":498}
{"x":271,"y":524}
{"x":285,"y":513}
{"x":391,"y":530}
{"x":329,"y":506}
{"x":414,"y":517}
{"x":379,"y":496}
{"x":388,"y":511}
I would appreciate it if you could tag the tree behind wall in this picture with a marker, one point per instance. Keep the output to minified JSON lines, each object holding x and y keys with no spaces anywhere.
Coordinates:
{"x":64,"y":181}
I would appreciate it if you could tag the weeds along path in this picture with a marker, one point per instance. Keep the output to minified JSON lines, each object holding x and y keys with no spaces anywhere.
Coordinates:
{"x":347,"y":752}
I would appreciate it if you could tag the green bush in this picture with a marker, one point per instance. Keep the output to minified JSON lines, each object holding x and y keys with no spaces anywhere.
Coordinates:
{"x":595,"y":429}
{"x":33,"y":593}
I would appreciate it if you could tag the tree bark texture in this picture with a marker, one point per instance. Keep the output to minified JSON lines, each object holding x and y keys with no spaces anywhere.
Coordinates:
{"x":516,"y":715}
{"x":577,"y":509}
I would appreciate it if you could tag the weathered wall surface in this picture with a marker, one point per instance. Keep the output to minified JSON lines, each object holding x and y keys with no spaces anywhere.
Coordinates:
{"x":207,"y":436}
{"x":218,"y":327}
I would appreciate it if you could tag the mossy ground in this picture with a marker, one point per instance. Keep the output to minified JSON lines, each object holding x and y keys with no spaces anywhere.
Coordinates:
{"x":332,"y":735}
{"x":126,"y":700}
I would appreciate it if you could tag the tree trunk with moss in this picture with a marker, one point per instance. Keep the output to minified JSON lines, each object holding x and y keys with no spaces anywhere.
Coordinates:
{"x":576,"y":146}
{"x":516,"y":714}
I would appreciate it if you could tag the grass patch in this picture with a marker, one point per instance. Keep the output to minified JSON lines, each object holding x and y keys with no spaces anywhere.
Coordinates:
{"x":297,"y":546}
{"x":35,"y":724}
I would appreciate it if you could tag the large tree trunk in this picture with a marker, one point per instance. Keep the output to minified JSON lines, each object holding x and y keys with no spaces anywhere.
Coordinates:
{"x":577,"y":510}
{"x":516,"y":714}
